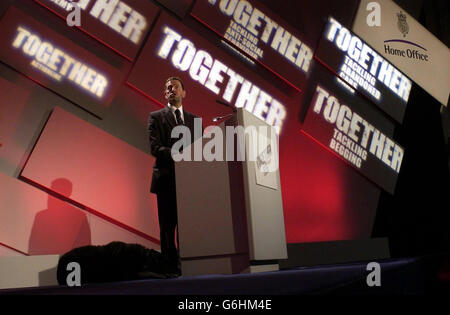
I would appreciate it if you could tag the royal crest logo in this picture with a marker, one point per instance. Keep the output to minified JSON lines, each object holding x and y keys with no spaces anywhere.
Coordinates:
{"x":264,"y":159}
{"x":401,"y":23}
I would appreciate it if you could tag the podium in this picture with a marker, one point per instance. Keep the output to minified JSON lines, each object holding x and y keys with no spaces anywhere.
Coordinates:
{"x":230,"y":212}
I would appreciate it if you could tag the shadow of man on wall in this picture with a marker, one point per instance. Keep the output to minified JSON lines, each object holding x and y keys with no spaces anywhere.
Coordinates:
{"x":61,"y":227}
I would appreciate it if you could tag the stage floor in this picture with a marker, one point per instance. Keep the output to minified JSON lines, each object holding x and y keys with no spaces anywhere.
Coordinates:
{"x":398,"y":276}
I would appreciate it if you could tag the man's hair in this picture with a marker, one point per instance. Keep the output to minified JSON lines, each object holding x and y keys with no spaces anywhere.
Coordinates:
{"x":175,"y":79}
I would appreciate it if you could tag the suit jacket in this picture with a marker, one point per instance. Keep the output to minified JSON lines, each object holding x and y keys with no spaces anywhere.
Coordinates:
{"x":160,"y":125}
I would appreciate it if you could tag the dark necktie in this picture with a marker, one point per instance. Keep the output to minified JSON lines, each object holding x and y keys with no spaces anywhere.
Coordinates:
{"x":178,"y":115}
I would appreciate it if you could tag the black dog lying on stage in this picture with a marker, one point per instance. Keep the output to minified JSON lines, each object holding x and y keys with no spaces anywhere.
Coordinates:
{"x":116,"y":261}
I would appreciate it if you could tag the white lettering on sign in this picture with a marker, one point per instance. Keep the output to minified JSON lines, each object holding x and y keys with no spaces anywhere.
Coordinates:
{"x":55,"y":63}
{"x":212,"y":73}
{"x":250,"y":25}
{"x":363,"y":67}
{"x":353,"y":136}
{"x":118,"y":15}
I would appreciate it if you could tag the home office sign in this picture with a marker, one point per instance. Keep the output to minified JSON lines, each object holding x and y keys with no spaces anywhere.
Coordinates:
{"x":409,"y":46}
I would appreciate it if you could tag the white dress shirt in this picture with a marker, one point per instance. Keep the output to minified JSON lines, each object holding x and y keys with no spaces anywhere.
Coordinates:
{"x":173,"y":109}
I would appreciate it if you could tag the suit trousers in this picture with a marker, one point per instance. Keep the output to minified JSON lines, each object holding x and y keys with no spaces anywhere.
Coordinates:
{"x":168,"y":220}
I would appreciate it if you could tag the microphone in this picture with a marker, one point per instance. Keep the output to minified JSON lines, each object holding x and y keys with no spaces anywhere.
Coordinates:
{"x":215,"y":119}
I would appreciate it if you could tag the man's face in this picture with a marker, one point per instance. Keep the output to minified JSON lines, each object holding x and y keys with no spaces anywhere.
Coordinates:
{"x":174,"y":92}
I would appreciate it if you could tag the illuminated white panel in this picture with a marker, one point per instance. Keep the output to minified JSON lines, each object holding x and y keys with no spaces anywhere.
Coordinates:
{"x":409,"y":46}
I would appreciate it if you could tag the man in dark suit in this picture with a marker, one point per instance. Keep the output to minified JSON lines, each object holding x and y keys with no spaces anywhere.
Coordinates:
{"x":160,"y":125}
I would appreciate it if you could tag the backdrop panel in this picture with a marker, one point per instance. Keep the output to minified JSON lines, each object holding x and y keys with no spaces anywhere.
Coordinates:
{"x":323,"y":198}
{"x":108,"y":176}
{"x":364,"y":69}
{"x":209,"y":73}
{"x":8,"y":252}
{"x":261,"y":34}
{"x":179,"y":7}
{"x":353,"y":129}
{"x":57,"y":63}
{"x":13,"y":140}
{"x":120,"y":25}
{"x":36,"y":223}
